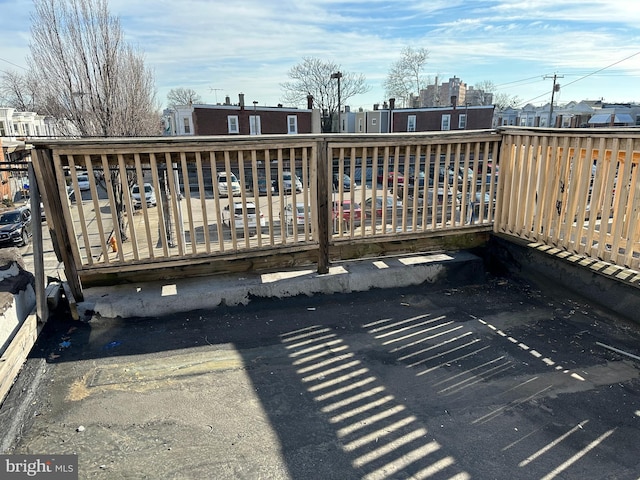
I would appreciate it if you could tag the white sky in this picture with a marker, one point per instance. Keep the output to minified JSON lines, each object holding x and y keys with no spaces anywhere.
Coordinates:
{"x":221,"y":48}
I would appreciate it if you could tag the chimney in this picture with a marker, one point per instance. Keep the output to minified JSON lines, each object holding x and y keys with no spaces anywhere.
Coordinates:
{"x":392,"y":103}
{"x":454,"y":101}
{"x":241,"y":97}
{"x":227,"y":100}
{"x":376,"y":106}
{"x":347,"y":109}
{"x":385,"y":105}
{"x":310,"y":102}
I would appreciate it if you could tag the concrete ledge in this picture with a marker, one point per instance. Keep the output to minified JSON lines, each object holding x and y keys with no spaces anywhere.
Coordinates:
{"x":152,"y":299}
{"x":615,"y":288}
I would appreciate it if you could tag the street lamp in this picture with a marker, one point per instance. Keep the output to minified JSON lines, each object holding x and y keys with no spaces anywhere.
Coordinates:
{"x":338,"y":76}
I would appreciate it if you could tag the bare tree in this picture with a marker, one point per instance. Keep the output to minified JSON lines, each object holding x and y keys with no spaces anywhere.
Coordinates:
{"x":182,"y":96}
{"x":405,"y":78}
{"x":90,"y":77}
{"x":86,"y":70}
{"x":504,"y":100}
{"x":314,"y":77}
{"x":484,"y":92}
{"x":18,"y":91}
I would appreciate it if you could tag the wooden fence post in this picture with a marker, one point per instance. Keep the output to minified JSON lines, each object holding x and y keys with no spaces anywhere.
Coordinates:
{"x":323,"y":208}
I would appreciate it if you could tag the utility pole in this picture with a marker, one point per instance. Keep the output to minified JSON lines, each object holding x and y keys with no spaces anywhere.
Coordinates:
{"x":556,"y":88}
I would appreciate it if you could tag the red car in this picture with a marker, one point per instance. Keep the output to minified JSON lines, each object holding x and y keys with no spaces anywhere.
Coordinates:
{"x":390,"y":177}
{"x":344,"y":211}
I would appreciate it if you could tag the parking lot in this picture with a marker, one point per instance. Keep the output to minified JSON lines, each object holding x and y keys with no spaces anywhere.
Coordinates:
{"x":499,"y":380}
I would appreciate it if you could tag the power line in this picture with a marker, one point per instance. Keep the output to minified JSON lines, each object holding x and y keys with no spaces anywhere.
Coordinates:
{"x":584,"y":76}
{"x":14,"y":64}
{"x":598,"y":71}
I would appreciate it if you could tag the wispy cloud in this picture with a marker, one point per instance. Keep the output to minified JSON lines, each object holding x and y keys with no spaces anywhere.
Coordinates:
{"x":223,"y":48}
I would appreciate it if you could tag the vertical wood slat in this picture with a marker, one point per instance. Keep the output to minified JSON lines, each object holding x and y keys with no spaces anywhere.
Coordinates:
{"x":551,"y":181}
{"x":128,"y":206}
{"x":42,"y":312}
{"x":162,"y":226}
{"x":187,"y":197}
{"x":425,"y":193}
{"x":468,"y":188}
{"x":115,"y":230}
{"x":352,"y":191}
{"x":374,"y":189}
{"x":143,"y":205}
{"x":633,"y":215}
{"x":436,"y":186}
{"x":561,"y":194}
{"x":531,"y":195}
{"x":269,"y":179}
{"x":543,"y":177}
{"x":307,"y":192}
{"x":595,"y":206}
{"x":493,"y":186}
{"x":621,"y":199}
{"x":608,"y":208}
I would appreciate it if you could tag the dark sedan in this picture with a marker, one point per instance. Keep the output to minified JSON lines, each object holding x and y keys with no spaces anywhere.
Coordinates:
{"x":15,"y":227}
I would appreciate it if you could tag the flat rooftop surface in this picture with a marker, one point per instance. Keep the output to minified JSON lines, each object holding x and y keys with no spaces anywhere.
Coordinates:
{"x":437,"y":381}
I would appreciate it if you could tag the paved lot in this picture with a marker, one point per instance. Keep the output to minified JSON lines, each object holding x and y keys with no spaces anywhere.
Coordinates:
{"x":497,"y":381}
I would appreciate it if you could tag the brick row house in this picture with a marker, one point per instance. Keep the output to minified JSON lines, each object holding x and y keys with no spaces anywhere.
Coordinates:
{"x":239,"y":119}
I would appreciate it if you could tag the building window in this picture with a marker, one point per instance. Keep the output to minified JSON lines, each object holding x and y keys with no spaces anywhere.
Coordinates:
{"x":292,"y":122}
{"x":411,"y":123}
{"x":462,"y":121}
{"x":187,"y":125}
{"x":254,"y":125}
{"x":3,"y":132}
{"x":523,"y":121}
{"x":232,"y":122}
{"x":374,"y":121}
{"x":360,"y":124}
{"x":446,"y":122}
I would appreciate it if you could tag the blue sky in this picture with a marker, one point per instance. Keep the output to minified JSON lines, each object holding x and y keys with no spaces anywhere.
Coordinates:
{"x":221,"y":48}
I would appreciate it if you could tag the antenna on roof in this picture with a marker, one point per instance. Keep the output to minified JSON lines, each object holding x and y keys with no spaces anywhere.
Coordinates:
{"x":215,"y":90}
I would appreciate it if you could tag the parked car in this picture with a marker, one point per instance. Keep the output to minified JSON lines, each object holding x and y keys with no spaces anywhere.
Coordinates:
{"x":149,"y":195}
{"x":15,"y":227}
{"x":286,"y":183}
{"x":83,"y":182}
{"x":391,"y":203}
{"x":297,"y":216}
{"x":390,"y":178}
{"x":345,"y":210}
{"x":226,"y":185}
{"x":235,"y":218}
{"x":265,"y":186}
{"x":346,"y":182}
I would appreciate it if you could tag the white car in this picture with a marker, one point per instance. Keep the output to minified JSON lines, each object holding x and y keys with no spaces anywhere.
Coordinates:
{"x":226,"y":185}
{"x":149,"y":195}
{"x":297,"y":217}
{"x":255,"y":219}
{"x":287,"y":183}
{"x":83,"y":182}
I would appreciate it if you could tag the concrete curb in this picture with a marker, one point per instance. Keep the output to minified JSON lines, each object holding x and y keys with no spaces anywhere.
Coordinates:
{"x":174,"y":296}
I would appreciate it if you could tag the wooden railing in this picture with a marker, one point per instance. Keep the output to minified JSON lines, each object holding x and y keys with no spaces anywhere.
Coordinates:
{"x":577,"y":189}
{"x":314,"y":199}
{"x":290,"y":203}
